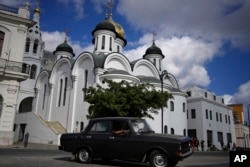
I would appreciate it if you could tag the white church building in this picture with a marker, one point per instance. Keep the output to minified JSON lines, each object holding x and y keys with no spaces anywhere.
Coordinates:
{"x":51,"y":100}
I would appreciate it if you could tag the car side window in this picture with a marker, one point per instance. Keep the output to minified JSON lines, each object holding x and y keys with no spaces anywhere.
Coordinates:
{"x":120,"y":127}
{"x":100,"y":127}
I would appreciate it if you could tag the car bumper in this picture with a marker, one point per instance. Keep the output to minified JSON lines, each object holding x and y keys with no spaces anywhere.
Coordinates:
{"x":182,"y":156}
{"x":60,"y":147}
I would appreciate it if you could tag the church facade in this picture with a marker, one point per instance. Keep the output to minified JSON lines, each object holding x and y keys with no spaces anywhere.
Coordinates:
{"x":51,"y":100}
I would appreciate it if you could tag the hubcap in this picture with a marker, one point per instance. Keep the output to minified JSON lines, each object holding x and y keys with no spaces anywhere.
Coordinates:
{"x":84,"y":155}
{"x":160,"y":160}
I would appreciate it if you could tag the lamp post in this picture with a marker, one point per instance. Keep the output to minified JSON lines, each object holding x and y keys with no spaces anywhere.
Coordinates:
{"x":164,"y":73}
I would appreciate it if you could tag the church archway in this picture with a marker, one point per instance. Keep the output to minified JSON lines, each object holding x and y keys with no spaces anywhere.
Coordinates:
{"x":26,"y":105}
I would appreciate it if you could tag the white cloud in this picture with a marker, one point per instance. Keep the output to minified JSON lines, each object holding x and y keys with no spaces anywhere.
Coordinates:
{"x":53,"y":39}
{"x":210,"y":20}
{"x":243,"y":94}
{"x":185,"y":57}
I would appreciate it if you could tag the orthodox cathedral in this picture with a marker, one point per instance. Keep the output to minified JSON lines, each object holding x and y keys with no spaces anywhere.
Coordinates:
{"x":51,"y":100}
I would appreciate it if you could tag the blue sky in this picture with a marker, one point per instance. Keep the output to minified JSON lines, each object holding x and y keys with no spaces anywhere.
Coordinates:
{"x":205,"y":42}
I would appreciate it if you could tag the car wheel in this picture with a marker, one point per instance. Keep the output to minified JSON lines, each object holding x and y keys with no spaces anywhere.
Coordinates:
{"x":84,"y":156}
{"x":158,"y":159}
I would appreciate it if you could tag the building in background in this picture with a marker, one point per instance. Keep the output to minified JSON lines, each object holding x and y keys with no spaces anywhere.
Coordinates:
{"x":241,"y":129}
{"x":209,"y":119}
{"x":14,"y":24}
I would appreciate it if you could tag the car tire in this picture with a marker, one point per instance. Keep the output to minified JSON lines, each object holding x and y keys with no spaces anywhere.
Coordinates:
{"x":83,"y":155}
{"x":158,"y":159}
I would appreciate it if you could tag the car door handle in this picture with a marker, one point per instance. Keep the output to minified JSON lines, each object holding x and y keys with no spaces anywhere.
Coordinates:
{"x":88,"y":137}
{"x":112,"y":137}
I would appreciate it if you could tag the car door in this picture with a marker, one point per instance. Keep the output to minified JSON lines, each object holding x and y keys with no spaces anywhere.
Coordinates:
{"x":125,"y":146}
{"x":98,"y":139}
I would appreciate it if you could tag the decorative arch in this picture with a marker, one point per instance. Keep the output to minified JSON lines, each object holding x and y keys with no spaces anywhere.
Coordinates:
{"x":145,"y":67}
{"x":5,"y":34}
{"x":61,"y":66}
{"x":83,"y":60}
{"x":33,"y":71}
{"x":117,"y":61}
{"x":35,"y":46}
{"x":26,"y":105}
{"x":27,"y":46}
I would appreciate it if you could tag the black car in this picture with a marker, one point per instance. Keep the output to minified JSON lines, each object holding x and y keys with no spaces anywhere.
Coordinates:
{"x":126,"y":138}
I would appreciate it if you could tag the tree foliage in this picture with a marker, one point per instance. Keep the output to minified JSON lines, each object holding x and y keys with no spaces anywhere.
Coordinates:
{"x":124,"y":99}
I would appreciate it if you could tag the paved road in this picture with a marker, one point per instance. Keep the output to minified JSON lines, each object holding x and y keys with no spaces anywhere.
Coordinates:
{"x":32,"y":157}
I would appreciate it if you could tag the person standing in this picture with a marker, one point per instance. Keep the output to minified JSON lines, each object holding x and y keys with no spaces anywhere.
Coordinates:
{"x":197,"y":143}
{"x":202,"y":145}
{"x":26,"y":139}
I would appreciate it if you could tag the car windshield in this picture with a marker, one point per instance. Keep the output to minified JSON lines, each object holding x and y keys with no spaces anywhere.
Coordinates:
{"x":141,"y":126}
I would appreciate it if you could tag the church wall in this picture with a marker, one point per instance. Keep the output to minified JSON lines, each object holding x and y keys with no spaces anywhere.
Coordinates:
{"x":83,"y":77}
{"x":42,"y":98}
{"x":178,"y":117}
{"x":61,"y":84}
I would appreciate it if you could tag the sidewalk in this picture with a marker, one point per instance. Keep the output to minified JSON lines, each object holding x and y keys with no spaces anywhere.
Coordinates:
{"x":32,"y":146}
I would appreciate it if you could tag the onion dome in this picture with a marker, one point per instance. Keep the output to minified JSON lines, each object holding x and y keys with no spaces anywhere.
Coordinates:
{"x":104,"y":25}
{"x":37,"y":10}
{"x":153,"y":50}
{"x":118,"y":28}
{"x":64,"y":47}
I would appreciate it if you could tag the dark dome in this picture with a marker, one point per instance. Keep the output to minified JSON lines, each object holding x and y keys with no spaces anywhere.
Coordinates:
{"x":64,"y":47}
{"x":153,"y":50}
{"x":104,"y":25}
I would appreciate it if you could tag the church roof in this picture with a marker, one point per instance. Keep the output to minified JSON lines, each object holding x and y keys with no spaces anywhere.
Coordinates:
{"x":116,"y":71}
{"x":104,"y":25}
{"x":148,"y":79}
{"x":64,"y":47}
{"x":153,"y":50}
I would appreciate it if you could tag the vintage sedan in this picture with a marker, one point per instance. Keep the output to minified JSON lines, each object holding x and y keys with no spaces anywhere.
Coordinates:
{"x":125,"y":138}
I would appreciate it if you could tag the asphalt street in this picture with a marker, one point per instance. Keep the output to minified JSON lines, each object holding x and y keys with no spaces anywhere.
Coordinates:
{"x":44,"y":155}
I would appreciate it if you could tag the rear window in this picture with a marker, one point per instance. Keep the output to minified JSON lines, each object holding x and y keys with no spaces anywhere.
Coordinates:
{"x":100,"y":127}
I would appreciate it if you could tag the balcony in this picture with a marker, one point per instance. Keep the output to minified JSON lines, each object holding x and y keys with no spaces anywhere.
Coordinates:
{"x":13,"y":69}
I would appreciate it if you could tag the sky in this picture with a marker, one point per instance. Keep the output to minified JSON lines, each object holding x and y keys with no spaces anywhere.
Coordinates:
{"x":206,"y":43}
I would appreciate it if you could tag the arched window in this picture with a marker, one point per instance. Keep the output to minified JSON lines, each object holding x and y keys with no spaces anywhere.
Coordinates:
{"x":60,"y":92}
{"x":65,"y":90}
{"x":172,"y":131}
{"x":1,"y":105}
{"x":96,"y":43}
{"x":103,"y":42}
{"x":171,"y":106}
{"x":33,"y":72}
{"x":27,"y":47}
{"x":35,"y":46}
{"x":44,"y":95}
{"x":118,"y":49}
{"x":110,"y":43}
{"x":1,"y":41}
{"x":184,"y":107}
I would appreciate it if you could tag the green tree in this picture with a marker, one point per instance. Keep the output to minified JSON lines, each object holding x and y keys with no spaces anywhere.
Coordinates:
{"x":124,"y":99}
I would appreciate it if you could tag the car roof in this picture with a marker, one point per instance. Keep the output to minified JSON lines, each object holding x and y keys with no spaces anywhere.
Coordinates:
{"x":115,"y":118}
